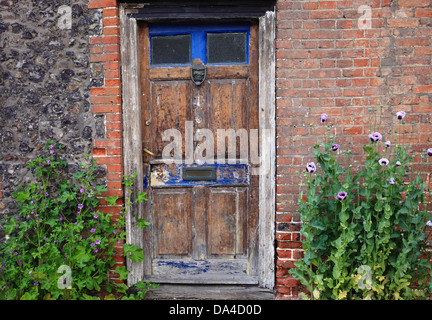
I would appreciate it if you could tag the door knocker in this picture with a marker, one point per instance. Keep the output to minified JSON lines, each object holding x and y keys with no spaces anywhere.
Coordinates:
{"x":198,"y":72}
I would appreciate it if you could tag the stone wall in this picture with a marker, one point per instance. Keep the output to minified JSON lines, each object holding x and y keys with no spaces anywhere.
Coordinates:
{"x":45,"y":81}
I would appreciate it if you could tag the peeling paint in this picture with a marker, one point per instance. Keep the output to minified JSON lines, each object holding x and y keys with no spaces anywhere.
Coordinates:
{"x":226,"y":174}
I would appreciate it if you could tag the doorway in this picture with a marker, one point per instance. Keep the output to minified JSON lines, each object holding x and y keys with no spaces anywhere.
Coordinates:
{"x":212,"y":223}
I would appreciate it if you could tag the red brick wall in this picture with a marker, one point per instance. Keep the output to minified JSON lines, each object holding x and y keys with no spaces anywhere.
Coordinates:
{"x":106,"y":102}
{"x":325,"y":63}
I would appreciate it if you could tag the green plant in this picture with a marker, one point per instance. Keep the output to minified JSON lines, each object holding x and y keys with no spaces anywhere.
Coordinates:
{"x":60,"y":246}
{"x":365,"y":233}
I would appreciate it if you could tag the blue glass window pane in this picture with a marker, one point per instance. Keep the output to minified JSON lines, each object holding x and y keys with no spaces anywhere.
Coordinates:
{"x":171,"y":50}
{"x":227,"y":47}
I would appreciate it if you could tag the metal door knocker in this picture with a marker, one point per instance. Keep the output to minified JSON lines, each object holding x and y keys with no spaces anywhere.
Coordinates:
{"x":198,"y":72}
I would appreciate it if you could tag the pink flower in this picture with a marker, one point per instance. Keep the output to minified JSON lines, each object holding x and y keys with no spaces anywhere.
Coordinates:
{"x":375,"y":136}
{"x":310,"y":167}
{"x":341,"y":195}
{"x":323,"y":117}
{"x":383,"y":161}
{"x":400,"y":115}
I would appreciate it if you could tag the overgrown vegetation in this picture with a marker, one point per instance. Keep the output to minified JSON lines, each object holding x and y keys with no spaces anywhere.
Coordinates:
{"x":60,"y":246}
{"x":365,"y":234}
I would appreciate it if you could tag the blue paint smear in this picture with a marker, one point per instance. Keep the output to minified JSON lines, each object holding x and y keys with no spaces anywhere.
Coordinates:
{"x":182,"y":265}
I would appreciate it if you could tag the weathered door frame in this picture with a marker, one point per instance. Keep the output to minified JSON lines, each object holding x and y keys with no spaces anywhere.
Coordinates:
{"x":132,"y":146}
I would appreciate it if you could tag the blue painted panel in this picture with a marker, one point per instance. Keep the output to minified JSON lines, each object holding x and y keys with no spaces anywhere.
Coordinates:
{"x":198,"y":32}
{"x":226,"y":175}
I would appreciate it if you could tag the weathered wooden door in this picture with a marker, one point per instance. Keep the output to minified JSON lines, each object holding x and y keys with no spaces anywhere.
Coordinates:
{"x":198,"y":81}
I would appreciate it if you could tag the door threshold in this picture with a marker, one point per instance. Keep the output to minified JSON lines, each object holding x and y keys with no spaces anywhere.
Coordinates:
{"x":208,"y":292}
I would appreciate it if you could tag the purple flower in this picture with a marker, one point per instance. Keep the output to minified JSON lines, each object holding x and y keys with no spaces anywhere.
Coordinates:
{"x":95,"y":216}
{"x":429,"y":223}
{"x":92,"y":230}
{"x":81,"y":190}
{"x":429,"y":152}
{"x":341,"y":195}
{"x":387,"y":144}
{"x":335,"y":147}
{"x":48,"y":161}
{"x":51,"y":146}
{"x":61,"y":218}
{"x":92,"y":244}
{"x":392,"y":180}
{"x":97,"y":241}
{"x":95,"y":250}
{"x":310,"y":167}
{"x":383,"y":161}
{"x":375,"y":136}
{"x":80,"y":206}
{"x":400,"y":115}
{"x":323,"y":117}
{"x":36,"y":284}
{"x":398,"y":163}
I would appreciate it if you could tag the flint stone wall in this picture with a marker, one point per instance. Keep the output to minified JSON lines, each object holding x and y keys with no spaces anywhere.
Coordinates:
{"x":45,"y":80}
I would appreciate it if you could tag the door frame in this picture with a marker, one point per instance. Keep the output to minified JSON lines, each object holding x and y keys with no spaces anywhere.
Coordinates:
{"x":132,"y":146}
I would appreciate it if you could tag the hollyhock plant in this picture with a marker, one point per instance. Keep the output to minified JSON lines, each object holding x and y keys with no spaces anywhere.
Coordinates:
{"x":371,"y":220}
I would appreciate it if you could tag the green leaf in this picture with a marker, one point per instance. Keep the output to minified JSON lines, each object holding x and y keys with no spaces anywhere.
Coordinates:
{"x":142,"y":223}
{"x":141,"y":197}
{"x":81,"y":255}
{"x":10,"y":226}
{"x":123,"y":272}
{"x":66,"y":195}
{"x":111,"y":200}
{"x":133,"y":252}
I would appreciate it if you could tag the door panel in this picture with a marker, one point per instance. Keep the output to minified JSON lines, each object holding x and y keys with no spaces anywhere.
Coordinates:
{"x":171,"y":211}
{"x":171,"y":108}
{"x":226,"y":221}
{"x":204,"y":216}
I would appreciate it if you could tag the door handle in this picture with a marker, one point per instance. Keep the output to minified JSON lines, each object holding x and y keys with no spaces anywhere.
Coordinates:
{"x":149,"y":152}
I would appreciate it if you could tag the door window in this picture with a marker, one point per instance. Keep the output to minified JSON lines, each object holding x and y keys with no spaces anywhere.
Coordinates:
{"x":175,"y":45}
